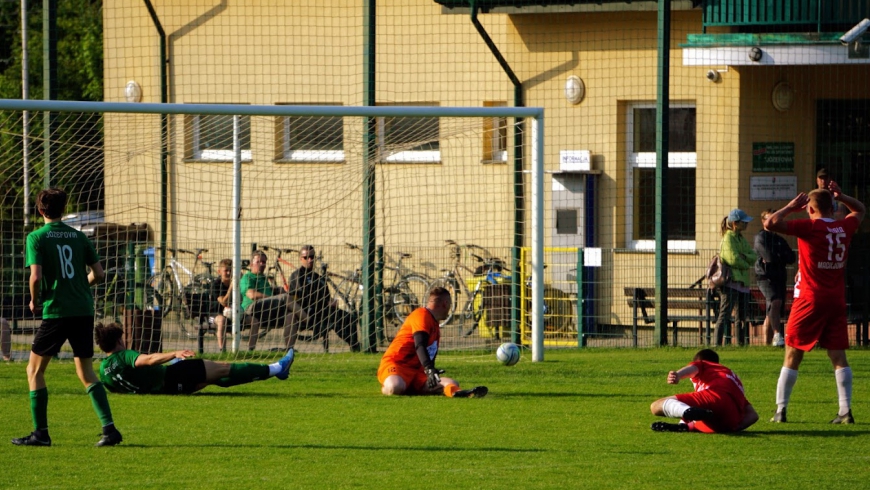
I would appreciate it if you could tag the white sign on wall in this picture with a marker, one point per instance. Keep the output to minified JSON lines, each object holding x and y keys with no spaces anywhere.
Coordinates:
{"x":772,"y":188}
{"x":574,"y":160}
{"x":591,"y":257}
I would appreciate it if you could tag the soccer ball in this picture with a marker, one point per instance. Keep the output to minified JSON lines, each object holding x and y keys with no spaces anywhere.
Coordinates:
{"x":508,"y":354}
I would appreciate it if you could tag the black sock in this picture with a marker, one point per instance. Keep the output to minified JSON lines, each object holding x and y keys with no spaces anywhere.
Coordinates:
{"x":108,"y":429}
{"x":41,"y":434}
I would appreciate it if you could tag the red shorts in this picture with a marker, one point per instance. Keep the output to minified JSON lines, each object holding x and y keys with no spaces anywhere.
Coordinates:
{"x":727,"y":414}
{"x":415,"y":378}
{"x":817,"y":321}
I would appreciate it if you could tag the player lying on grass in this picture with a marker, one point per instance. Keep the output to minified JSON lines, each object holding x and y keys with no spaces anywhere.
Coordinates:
{"x":128,"y":371}
{"x":717,"y":404}
{"x":408,"y":366}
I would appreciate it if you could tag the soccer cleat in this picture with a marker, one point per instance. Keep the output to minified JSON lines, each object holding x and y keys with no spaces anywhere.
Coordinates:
{"x":778,"y":341}
{"x":694,"y":413}
{"x":476,"y":392}
{"x":844,"y":419}
{"x":779,"y":416}
{"x":31,"y":440}
{"x":285,"y":363}
{"x":111,"y":439}
{"x":667,"y":427}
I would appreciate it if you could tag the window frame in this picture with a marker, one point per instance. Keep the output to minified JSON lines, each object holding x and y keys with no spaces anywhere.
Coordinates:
{"x":288,"y":155}
{"x":407,"y":156}
{"x":210,"y":155}
{"x":648,"y":160}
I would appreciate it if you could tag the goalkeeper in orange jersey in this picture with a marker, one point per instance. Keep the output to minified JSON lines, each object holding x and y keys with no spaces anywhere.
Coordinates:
{"x":717,"y":404}
{"x":128,"y":371}
{"x":408,"y":366}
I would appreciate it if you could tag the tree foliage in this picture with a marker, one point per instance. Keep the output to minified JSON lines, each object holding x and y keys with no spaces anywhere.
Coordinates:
{"x":77,"y":142}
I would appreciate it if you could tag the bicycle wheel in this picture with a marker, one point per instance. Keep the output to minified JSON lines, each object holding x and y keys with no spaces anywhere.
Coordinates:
{"x":161,"y":293}
{"x":473,"y":312}
{"x":452,"y":287}
{"x":408,"y":295}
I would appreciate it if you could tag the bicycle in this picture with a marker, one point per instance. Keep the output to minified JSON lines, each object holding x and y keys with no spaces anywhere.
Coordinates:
{"x":489,"y":272}
{"x":275,"y":272}
{"x":403,"y":293}
{"x":170,"y":289}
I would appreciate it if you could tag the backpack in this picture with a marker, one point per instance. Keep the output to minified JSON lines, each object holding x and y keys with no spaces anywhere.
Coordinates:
{"x":718,"y":273}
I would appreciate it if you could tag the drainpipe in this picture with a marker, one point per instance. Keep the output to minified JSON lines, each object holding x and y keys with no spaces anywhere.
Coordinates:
{"x":519,"y":197}
{"x":164,"y":133}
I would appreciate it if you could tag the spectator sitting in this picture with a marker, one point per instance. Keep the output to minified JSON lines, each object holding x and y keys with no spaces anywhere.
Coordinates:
{"x":264,"y":308}
{"x":221,"y":291}
{"x":312,"y":293}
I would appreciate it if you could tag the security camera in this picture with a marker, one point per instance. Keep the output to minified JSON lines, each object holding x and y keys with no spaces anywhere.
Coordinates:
{"x":713,"y":76}
{"x":855,"y":33}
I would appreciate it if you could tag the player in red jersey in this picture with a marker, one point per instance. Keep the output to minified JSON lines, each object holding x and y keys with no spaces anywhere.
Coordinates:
{"x":408,"y":366}
{"x":716,"y":405}
{"x":818,"y":313}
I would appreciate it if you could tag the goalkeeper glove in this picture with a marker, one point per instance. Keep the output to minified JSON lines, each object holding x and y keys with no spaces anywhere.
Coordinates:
{"x":434,"y":377}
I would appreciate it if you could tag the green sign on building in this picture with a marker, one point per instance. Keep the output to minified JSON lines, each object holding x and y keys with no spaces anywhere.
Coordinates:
{"x":773,"y":157}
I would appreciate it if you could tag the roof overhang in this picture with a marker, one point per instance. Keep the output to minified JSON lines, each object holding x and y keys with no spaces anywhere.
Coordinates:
{"x":776,"y":50}
{"x":556,"y":6}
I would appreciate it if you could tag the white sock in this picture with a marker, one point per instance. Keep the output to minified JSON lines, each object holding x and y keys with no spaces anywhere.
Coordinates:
{"x":787,"y":379}
{"x":274,"y":369}
{"x":844,"y":389}
{"x":674,"y":408}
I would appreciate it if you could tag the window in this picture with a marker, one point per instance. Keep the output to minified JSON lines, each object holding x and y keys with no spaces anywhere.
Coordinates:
{"x":210,"y":137}
{"x":494,"y":136}
{"x":409,"y":139}
{"x":682,"y":162}
{"x":566,"y":221}
{"x":311,"y":138}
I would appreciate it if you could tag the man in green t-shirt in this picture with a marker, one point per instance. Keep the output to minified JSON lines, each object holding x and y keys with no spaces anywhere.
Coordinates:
{"x":59,"y":257}
{"x":127,"y":371}
{"x":265,"y":307}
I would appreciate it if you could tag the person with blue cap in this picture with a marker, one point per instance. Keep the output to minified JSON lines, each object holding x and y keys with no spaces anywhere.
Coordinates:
{"x":735,"y":251}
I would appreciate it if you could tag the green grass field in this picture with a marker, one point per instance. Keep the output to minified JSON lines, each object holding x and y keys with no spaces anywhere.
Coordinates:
{"x":579,"y":420}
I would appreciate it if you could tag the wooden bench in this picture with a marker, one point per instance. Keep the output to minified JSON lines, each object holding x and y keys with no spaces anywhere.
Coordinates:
{"x":703,"y":303}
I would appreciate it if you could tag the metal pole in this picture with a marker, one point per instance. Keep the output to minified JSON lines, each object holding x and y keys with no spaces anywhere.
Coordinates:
{"x":49,"y":79}
{"x":237,"y":233}
{"x":538,"y":239}
{"x":25,"y":94}
{"x":369,"y":337}
{"x":662,"y":138}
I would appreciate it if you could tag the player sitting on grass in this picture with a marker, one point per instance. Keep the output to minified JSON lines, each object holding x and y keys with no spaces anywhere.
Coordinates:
{"x":408,"y":366}
{"x":717,"y":404}
{"x":128,"y":371}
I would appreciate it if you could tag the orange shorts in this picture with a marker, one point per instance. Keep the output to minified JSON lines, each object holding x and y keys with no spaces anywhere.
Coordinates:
{"x":415,"y":378}
{"x":817,"y":321}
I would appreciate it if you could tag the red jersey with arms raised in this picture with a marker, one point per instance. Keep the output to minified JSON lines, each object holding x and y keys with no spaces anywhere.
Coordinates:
{"x":823,"y":246}
{"x":711,"y":375}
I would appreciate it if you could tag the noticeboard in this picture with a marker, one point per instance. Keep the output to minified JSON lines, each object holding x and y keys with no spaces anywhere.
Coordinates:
{"x":773,"y":188}
{"x":773,"y":157}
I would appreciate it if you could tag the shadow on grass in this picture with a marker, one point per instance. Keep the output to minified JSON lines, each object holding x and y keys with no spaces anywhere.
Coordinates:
{"x":808,"y":433}
{"x":551,"y":394}
{"x":426,"y":449}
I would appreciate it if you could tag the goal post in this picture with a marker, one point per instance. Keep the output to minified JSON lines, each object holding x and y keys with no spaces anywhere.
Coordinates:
{"x":229,"y":178}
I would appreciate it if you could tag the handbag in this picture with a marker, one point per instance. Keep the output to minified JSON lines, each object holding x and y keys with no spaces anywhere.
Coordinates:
{"x":718,"y":273}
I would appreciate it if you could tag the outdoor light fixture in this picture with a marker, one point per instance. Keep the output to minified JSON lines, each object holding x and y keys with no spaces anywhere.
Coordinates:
{"x":755,"y":54}
{"x":133,"y":92}
{"x":782,"y":97}
{"x":574,"y":89}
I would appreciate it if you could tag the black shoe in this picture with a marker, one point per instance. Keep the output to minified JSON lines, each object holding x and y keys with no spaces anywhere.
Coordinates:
{"x":31,"y":440}
{"x":693,"y":413}
{"x":476,"y":392}
{"x":111,"y":439}
{"x":844,"y":419}
{"x":666,"y":427}
{"x":779,"y":417}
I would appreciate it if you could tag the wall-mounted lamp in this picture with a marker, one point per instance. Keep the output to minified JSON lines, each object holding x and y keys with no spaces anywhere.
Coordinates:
{"x":713,"y":76}
{"x":782,"y":96}
{"x":133,"y":92}
{"x":575,"y":90}
{"x":755,"y":54}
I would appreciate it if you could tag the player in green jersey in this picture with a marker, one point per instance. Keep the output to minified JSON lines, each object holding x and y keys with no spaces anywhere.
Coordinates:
{"x":128,"y":371}
{"x":59,"y":258}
